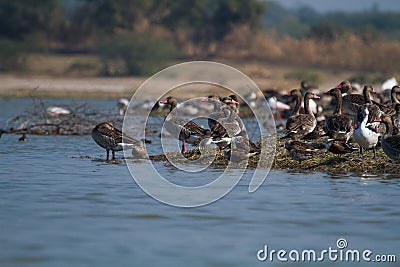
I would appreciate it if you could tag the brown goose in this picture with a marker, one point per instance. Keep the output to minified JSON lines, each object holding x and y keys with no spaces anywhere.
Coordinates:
{"x":299,"y":125}
{"x":110,"y":138}
{"x":305,"y":86}
{"x":300,"y":150}
{"x":389,"y":109}
{"x":390,"y":142}
{"x":374,"y":111}
{"x":228,"y":126}
{"x":338,"y":126}
{"x":393,"y":95}
{"x":231,"y":102}
{"x":396,"y":120}
{"x":217,"y":112}
{"x":350,"y":102}
{"x":234,"y":103}
{"x":185,"y":131}
{"x":240,"y":149}
{"x":338,"y":147}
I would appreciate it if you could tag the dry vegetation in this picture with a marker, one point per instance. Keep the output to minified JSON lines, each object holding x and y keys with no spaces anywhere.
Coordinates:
{"x":348,"y":52}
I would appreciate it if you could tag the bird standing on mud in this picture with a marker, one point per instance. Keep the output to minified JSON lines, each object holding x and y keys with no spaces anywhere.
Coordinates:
{"x":110,"y":138}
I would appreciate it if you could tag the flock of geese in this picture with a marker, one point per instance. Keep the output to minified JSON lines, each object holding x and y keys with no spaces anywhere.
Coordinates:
{"x":356,"y":119}
{"x":225,"y":129}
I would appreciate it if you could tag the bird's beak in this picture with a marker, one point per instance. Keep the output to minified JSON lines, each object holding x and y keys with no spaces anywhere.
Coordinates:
{"x":165,"y":101}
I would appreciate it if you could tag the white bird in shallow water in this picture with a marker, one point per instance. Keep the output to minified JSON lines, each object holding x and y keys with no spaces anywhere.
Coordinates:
{"x":366,"y":135}
{"x":122,"y":105}
{"x":55,"y":111}
{"x":110,"y":138}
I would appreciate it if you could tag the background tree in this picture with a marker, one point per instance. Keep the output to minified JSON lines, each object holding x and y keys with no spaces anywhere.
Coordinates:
{"x":206,"y":22}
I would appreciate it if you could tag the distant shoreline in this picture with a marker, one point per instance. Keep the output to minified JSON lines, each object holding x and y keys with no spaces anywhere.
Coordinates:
{"x":87,"y":87}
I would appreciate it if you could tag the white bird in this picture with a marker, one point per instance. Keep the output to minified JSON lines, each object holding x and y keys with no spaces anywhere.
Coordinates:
{"x":389,"y":83}
{"x":366,"y":135}
{"x":55,"y":111}
{"x":277,"y":106}
{"x":122,"y":105}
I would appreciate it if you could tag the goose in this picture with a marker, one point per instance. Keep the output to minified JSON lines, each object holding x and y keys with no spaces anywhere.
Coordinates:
{"x":318,"y":132}
{"x":122,"y":105}
{"x":338,"y":147}
{"x":231,"y":102}
{"x":389,"y":109}
{"x":374,"y":111}
{"x":185,"y":131}
{"x":390,"y":142}
{"x":217,"y":112}
{"x":396,"y":121}
{"x":228,"y":126}
{"x":242,"y":149}
{"x":110,"y":138}
{"x":393,"y":94}
{"x":338,"y":126}
{"x":306,"y":87}
{"x":366,"y":136}
{"x":299,"y":125}
{"x":299,"y":150}
{"x":350,"y":102}
{"x":234,"y":104}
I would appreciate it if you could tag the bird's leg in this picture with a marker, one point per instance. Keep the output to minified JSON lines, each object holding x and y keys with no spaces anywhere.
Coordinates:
{"x":108,"y":154}
{"x":113,"y":154}
{"x":361,"y":153}
{"x":183,"y":147}
{"x":374,"y":158}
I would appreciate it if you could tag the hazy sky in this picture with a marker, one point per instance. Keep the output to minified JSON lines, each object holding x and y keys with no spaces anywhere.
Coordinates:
{"x":343,"y":5}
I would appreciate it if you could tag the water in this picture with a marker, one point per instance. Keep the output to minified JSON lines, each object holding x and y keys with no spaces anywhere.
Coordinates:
{"x":62,"y":205}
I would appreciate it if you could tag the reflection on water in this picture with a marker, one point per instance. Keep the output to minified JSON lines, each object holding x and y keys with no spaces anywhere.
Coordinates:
{"x":62,"y":205}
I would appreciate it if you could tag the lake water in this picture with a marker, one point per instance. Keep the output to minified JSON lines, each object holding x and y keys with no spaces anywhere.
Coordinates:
{"x":62,"y":205}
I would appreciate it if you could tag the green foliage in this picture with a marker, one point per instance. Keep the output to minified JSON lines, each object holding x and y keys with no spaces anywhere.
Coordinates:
{"x":140,"y":55}
{"x":19,"y":18}
{"x":327,"y":30}
{"x":207,"y":21}
{"x":12,"y":55}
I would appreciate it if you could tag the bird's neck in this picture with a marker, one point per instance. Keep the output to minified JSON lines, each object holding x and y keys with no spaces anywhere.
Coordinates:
{"x":296,"y":110}
{"x":389,"y":129}
{"x":367,"y":97}
{"x":307,"y":107}
{"x":394,"y":98}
